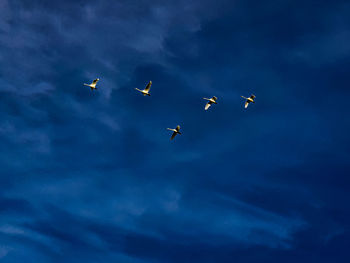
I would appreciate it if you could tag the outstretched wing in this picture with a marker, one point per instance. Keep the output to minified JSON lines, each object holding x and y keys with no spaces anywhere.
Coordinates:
{"x":148,"y":87}
{"x":95,"y":81}
{"x":173,"y":135}
{"x":246,"y":104}
{"x":207,"y":105}
{"x":214,"y":98}
{"x":178,"y":128}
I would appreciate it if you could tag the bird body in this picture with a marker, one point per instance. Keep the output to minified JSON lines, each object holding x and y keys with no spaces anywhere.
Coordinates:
{"x":93,"y":84}
{"x":210,"y":102}
{"x":175,"y":131}
{"x":248,"y":100}
{"x":145,"y":91}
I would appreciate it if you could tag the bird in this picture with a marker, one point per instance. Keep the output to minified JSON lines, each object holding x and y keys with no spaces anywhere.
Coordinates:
{"x":93,"y":84}
{"x":210,"y":102}
{"x":146,"y":90}
{"x":248,"y":100}
{"x":176,"y":131}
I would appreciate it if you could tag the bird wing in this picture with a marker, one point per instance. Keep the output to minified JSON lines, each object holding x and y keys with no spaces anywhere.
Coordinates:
{"x":207,"y":105}
{"x":178,"y":128}
{"x":138,"y":90}
{"x":214,"y":98}
{"x":148,"y":87}
{"x":173,"y":135}
{"x":246,"y":104}
{"x":95,"y":81}
{"x":252,"y":97}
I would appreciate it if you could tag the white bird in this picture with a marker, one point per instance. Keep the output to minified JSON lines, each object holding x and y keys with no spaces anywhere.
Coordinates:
{"x":210,"y":102}
{"x":176,"y":131}
{"x":248,"y":100}
{"x":146,"y":90}
{"x":93,"y":84}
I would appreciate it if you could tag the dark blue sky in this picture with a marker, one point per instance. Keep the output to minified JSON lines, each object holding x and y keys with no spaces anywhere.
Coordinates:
{"x":92,"y":176}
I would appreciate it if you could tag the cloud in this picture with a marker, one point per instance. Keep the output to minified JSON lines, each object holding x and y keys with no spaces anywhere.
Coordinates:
{"x":4,"y":251}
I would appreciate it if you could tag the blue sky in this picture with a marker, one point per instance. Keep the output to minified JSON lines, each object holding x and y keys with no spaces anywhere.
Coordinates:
{"x":93,"y":177}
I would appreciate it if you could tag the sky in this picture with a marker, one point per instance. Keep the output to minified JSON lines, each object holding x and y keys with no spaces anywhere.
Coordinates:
{"x":93,"y":177}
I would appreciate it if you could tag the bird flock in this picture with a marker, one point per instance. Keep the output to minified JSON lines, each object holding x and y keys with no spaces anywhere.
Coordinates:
{"x":176,"y":131}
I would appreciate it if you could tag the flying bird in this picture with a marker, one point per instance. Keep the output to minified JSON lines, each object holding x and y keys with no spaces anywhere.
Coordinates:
{"x":93,"y":84}
{"x":248,"y":100}
{"x":146,"y":90}
{"x":210,"y":102}
{"x":176,"y":131}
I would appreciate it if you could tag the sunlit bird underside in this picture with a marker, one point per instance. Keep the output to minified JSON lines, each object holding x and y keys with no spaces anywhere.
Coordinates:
{"x":176,"y":131}
{"x":145,"y":91}
{"x":248,"y":100}
{"x":93,"y":84}
{"x":210,"y":102}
